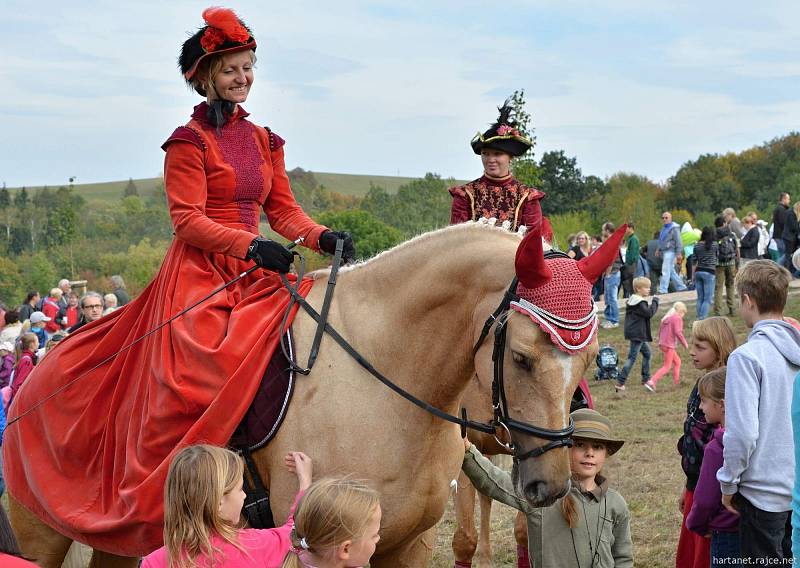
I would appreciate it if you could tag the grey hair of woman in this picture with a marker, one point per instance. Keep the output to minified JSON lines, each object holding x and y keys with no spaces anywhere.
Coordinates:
{"x":117,"y":281}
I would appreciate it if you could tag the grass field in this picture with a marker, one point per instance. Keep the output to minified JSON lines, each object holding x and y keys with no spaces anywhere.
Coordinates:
{"x":646,"y":471}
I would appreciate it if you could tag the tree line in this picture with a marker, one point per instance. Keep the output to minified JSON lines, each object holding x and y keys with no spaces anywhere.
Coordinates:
{"x":53,"y":233}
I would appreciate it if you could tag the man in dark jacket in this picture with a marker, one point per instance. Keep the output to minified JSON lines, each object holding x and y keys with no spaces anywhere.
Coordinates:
{"x":653,"y":260}
{"x":631,"y":259}
{"x":91,"y":310}
{"x":778,"y":221}
{"x":637,"y":330}
{"x":727,"y":259}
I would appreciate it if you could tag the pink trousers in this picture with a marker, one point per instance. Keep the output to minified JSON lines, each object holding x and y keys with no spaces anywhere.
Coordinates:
{"x":671,"y":361}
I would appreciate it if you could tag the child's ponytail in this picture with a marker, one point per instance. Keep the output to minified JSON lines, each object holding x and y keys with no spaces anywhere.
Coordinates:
{"x":292,"y":559}
{"x":570,"y":511}
{"x":330,"y":512}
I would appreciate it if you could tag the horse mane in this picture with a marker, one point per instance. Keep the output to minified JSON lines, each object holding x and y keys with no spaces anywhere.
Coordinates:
{"x":475,"y":229}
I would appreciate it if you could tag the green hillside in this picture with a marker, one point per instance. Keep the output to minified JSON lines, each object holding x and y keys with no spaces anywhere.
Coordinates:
{"x":354,"y":184}
{"x":109,"y":191}
{"x":346,"y":184}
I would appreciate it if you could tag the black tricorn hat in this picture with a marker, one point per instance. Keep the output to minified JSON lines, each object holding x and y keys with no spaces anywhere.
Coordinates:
{"x":503,"y":135}
{"x":224,"y":32}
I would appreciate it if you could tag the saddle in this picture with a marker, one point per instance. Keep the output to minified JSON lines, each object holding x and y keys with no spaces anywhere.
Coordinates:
{"x":266,"y":413}
{"x":259,"y":425}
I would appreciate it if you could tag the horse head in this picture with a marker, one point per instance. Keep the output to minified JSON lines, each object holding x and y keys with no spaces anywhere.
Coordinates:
{"x":550,"y":340}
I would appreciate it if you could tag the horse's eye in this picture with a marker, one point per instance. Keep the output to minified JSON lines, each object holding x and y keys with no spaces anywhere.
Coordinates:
{"x":521,"y":360}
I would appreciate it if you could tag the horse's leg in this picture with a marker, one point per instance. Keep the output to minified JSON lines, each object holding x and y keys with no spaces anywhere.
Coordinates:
{"x":102,"y":559}
{"x":484,"y":535}
{"x":464,"y":538}
{"x":37,"y":540}
{"x":79,"y":556}
{"x":521,"y":536}
{"x":415,"y":554}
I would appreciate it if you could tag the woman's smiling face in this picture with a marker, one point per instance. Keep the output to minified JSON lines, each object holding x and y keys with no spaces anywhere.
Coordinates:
{"x":232,"y":82}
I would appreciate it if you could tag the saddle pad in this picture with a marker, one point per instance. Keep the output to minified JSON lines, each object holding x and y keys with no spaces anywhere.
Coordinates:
{"x":268,"y":409}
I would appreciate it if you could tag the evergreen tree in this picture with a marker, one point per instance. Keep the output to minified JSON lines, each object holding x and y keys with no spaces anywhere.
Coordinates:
{"x":21,"y":199}
{"x":524,"y":167}
{"x":130,"y":189}
{"x":5,"y":208}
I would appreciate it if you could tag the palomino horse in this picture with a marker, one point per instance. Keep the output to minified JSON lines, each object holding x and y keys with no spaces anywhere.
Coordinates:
{"x":415,"y":313}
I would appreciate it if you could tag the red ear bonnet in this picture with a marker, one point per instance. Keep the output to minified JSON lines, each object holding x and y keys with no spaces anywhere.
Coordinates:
{"x":556,"y":293}
{"x":529,"y":264}
{"x":594,"y":265}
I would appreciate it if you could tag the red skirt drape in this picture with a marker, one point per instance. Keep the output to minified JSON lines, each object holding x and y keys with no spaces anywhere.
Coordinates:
{"x":91,"y":462}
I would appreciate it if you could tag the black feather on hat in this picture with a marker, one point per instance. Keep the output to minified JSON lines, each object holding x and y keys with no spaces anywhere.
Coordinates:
{"x":503,"y":135}
{"x":224,"y":32}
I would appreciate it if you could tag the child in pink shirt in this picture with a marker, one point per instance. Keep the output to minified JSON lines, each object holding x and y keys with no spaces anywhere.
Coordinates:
{"x":202,"y":507}
{"x":28,"y":344}
{"x":670,"y":332}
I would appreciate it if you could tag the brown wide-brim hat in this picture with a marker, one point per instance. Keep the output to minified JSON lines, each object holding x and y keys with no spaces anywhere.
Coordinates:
{"x":591,"y":425}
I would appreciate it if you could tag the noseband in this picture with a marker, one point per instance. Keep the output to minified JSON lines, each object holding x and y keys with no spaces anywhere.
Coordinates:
{"x":502,"y":419}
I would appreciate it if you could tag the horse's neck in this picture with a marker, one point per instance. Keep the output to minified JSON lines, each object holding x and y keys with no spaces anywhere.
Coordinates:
{"x":424,"y":300}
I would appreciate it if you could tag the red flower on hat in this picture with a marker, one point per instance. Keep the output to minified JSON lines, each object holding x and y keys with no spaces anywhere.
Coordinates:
{"x":506,"y":129}
{"x":212,"y":39}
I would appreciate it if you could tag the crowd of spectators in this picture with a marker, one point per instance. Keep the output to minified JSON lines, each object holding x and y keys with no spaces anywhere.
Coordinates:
{"x":679,"y":258}
{"x":35,"y":326}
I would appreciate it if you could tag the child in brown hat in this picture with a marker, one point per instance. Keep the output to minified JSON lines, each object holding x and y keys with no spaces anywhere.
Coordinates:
{"x":590,"y":526}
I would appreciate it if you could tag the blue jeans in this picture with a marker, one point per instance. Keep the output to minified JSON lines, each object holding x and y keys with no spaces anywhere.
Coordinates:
{"x":704,"y":284}
{"x":781,"y":244}
{"x":668,"y":273}
{"x":611,"y":287}
{"x":633,"y":352}
{"x":724,"y":546}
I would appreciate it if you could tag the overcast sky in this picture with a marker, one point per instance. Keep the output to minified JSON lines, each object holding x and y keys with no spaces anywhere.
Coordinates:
{"x":91,"y":88}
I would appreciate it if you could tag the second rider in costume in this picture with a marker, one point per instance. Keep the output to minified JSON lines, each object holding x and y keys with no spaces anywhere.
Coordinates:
{"x":497,"y":194}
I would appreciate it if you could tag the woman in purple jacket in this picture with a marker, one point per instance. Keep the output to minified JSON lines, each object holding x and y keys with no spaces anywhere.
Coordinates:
{"x":708,"y":516}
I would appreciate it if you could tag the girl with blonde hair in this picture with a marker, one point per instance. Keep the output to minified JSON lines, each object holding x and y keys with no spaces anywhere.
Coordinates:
{"x":713,"y":340}
{"x":203,"y":501}
{"x":337,"y":525}
{"x":670,"y":333}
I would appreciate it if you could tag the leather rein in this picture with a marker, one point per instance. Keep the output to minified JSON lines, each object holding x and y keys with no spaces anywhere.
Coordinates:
{"x":501,"y":420}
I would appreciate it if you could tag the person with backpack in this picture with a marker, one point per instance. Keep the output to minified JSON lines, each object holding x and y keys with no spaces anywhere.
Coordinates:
{"x":727,"y":259}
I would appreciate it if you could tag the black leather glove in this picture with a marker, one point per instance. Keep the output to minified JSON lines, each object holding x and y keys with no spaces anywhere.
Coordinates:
{"x":270,"y":255}
{"x":327,"y":242}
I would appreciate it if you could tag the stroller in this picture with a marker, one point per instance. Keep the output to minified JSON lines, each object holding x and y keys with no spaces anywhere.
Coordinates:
{"x":607,"y":361}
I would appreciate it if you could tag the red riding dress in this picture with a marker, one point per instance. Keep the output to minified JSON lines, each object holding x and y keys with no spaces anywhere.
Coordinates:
{"x":92,"y":461}
{"x":505,"y":200}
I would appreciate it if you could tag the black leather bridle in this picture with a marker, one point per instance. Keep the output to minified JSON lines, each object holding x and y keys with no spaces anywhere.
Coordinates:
{"x":501,"y":420}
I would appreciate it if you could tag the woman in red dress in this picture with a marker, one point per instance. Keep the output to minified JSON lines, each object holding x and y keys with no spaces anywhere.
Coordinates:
{"x":497,"y":194}
{"x":92,"y":462}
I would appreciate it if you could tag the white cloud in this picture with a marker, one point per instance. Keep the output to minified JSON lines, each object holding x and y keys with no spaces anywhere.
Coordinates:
{"x":375,"y":87}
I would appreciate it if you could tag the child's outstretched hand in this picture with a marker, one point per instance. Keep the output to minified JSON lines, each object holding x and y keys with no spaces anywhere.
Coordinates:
{"x":301,"y":465}
{"x":467,"y":444}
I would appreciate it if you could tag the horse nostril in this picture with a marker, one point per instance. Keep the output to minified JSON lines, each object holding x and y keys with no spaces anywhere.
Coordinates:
{"x":536,"y":491}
